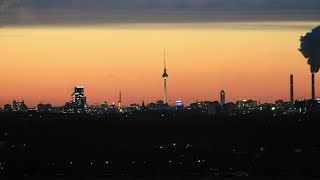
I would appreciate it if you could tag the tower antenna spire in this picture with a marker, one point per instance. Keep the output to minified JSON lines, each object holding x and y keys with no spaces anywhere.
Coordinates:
{"x":164,"y":56}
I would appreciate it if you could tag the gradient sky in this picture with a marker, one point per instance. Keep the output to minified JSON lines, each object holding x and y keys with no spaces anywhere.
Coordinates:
{"x":48,"y":47}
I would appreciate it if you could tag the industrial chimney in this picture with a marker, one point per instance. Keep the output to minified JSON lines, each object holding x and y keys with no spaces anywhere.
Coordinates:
{"x":291,"y":92}
{"x":312,"y":87}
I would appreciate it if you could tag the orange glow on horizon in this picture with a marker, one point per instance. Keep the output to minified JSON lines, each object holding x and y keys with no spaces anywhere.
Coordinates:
{"x":43,"y":64}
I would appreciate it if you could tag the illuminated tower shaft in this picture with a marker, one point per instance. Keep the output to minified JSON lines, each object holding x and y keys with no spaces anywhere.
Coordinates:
{"x":165,"y":92}
{"x":165,"y":77}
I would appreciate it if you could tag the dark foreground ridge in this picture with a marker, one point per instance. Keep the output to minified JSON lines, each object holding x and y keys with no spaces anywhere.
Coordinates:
{"x":159,"y":145}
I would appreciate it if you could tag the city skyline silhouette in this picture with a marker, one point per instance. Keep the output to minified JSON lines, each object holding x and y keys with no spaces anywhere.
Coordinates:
{"x":160,"y":89}
{"x":212,"y":96}
{"x":247,"y":48}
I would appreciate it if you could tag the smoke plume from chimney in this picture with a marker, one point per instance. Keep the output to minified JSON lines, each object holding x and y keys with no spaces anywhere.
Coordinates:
{"x":310,"y":48}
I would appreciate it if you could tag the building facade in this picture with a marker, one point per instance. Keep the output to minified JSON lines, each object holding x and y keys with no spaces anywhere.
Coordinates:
{"x":80,"y":99}
{"x":222,"y":97}
{"x":19,"y":106}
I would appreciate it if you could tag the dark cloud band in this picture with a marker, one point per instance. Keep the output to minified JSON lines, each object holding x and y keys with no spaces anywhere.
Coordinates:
{"x":74,"y":12}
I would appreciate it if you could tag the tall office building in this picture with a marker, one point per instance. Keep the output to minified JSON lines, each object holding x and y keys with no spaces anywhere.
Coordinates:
{"x":165,"y":77}
{"x":18,"y":105}
{"x":80,"y":99}
{"x":222,"y":97}
{"x":7,"y":108}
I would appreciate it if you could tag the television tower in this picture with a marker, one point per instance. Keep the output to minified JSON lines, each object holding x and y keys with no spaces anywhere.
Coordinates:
{"x":165,"y":77}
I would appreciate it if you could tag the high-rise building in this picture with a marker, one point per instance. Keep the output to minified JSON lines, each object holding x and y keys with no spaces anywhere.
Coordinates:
{"x":80,"y":99}
{"x":7,"y":108}
{"x":18,"y":105}
{"x":222,"y":97}
{"x":165,"y":77}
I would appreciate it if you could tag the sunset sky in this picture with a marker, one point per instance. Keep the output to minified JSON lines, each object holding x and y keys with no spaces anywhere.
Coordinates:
{"x":249,"y":52}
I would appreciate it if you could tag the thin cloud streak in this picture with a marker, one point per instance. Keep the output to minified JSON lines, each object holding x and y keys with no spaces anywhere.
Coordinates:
{"x":198,"y":5}
{"x":54,"y":17}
